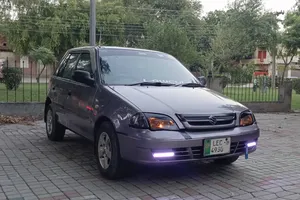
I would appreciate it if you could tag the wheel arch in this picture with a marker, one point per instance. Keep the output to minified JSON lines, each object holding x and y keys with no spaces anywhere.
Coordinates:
{"x":98,"y":123}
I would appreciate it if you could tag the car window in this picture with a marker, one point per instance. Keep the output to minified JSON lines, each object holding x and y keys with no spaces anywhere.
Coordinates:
{"x":62,"y":65}
{"x":70,"y":66}
{"x":133,"y":66}
{"x":84,"y":63}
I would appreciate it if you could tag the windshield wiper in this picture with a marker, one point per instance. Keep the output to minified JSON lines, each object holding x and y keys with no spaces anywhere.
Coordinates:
{"x":189,"y":85}
{"x":150,"y":84}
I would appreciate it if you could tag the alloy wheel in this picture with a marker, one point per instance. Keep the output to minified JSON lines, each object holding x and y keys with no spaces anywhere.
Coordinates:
{"x":104,"y":150}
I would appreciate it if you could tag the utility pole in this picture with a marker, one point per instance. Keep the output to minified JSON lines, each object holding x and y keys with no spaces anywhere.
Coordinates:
{"x":92,"y":22}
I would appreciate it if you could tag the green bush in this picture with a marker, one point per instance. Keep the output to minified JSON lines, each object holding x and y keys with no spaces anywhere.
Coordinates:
{"x":224,"y":81}
{"x":296,"y":85}
{"x":264,"y":79}
{"x":242,"y":74}
{"x":12,"y":77}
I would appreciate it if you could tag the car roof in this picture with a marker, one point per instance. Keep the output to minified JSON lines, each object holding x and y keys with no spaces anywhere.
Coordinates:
{"x":114,"y":48}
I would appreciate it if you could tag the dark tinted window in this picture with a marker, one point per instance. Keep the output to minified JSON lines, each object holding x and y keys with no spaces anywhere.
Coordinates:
{"x":121,"y":66}
{"x":70,"y":66}
{"x":62,"y":65}
{"x":84,"y":63}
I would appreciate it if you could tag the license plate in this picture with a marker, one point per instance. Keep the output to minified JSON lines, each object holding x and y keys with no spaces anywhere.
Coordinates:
{"x":216,"y":146}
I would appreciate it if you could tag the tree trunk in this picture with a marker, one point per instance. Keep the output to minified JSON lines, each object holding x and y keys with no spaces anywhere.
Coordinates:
{"x":38,"y":77}
{"x":283,"y":73}
{"x":273,"y":69}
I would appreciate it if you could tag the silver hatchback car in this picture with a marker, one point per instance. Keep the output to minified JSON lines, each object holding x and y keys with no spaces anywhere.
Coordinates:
{"x":146,"y":107}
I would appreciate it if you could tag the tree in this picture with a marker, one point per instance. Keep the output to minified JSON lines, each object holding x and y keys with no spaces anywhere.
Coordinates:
{"x":270,"y":37}
{"x":169,"y":38}
{"x":46,"y":56}
{"x":51,"y":24}
{"x":290,"y":39}
{"x":234,"y":36}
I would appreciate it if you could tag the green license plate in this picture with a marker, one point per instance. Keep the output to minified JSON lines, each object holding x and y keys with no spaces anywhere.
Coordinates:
{"x":217,"y":146}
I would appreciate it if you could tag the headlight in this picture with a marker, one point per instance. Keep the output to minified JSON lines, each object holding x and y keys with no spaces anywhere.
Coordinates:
{"x":152,"y":121}
{"x":247,"y":118}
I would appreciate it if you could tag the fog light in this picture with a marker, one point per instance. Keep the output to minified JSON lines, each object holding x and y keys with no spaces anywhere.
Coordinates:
{"x":251,"y":144}
{"x":163,"y":155}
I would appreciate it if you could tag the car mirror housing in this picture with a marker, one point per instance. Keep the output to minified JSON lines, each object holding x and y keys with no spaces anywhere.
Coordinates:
{"x":83,"y":77}
{"x":202,"y":80}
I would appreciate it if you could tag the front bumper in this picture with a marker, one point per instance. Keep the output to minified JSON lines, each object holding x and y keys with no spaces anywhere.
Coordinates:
{"x":142,"y":150}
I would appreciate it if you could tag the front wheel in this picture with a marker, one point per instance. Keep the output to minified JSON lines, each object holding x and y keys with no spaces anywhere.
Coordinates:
{"x":108,"y":152}
{"x":226,"y":161}
{"x":55,"y":131}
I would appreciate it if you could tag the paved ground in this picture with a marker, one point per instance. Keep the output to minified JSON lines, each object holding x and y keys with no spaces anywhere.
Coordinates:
{"x":31,"y":167}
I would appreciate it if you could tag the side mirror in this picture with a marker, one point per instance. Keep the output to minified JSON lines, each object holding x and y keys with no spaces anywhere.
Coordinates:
{"x":202,"y":80}
{"x":83,"y":77}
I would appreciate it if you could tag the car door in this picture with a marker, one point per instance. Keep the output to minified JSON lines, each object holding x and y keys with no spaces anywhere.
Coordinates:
{"x":67,"y":88}
{"x":56,"y":93}
{"x":84,"y":94}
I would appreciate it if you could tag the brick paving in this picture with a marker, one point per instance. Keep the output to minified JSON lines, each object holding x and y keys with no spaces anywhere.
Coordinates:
{"x":31,"y":167}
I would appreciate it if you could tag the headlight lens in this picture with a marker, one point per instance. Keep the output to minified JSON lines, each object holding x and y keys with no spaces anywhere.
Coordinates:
{"x":247,"y":118}
{"x":153,"y":121}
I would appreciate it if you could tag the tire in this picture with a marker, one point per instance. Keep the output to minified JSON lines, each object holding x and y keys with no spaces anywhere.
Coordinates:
{"x":55,"y":131}
{"x":226,"y":161}
{"x":107,"y":147}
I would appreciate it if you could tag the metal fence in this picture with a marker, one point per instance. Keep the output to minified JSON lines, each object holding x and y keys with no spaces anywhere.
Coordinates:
{"x":21,"y":82}
{"x":253,"y":89}
{"x":34,"y":79}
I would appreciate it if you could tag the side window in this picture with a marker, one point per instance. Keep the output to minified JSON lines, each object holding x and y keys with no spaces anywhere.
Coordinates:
{"x":62,"y":65}
{"x":70,"y":66}
{"x":84,"y":63}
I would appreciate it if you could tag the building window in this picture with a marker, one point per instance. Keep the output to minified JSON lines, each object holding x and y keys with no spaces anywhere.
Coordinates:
{"x":262,"y":54}
{"x":24,"y":62}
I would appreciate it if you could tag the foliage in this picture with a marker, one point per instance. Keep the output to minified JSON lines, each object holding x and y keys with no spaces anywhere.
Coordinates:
{"x":43,"y":54}
{"x":215,"y":43}
{"x":169,"y":38}
{"x":242,"y":74}
{"x":224,"y":81}
{"x":12,"y":77}
{"x":296,"y":85}
{"x":290,"y":39}
{"x":263,"y":80}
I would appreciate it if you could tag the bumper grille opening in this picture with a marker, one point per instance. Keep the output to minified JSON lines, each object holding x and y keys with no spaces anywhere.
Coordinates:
{"x":197,"y":152}
{"x":181,"y":153}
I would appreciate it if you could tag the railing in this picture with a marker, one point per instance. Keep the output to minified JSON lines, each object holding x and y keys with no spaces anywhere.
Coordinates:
{"x":27,"y":83}
{"x":34,"y":79}
{"x":252,"y":90}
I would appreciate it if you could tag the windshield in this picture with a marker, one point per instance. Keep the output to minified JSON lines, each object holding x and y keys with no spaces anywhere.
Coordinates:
{"x":123,"y":66}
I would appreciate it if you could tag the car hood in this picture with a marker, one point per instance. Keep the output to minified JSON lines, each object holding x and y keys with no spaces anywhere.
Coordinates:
{"x":181,"y":100}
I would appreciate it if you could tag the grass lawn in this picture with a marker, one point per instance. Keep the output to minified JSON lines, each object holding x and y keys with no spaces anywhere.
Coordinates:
{"x":25,"y":93}
{"x":296,"y":101}
{"x":37,"y":93}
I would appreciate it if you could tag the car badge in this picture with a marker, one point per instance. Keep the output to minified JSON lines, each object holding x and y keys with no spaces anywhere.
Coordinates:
{"x":212,"y":120}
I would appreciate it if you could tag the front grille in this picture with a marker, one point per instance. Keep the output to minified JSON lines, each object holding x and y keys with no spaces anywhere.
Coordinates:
{"x":187,"y":153}
{"x":218,"y":121}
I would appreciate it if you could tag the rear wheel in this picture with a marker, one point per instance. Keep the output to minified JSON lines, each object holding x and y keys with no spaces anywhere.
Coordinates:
{"x":55,"y":131}
{"x":226,"y":161}
{"x":107,"y":152}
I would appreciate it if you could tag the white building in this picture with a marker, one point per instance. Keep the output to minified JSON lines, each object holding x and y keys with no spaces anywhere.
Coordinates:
{"x":263,"y":60}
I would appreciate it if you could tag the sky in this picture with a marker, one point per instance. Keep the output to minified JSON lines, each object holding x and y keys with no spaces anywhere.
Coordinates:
{"x":274,"y":5}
